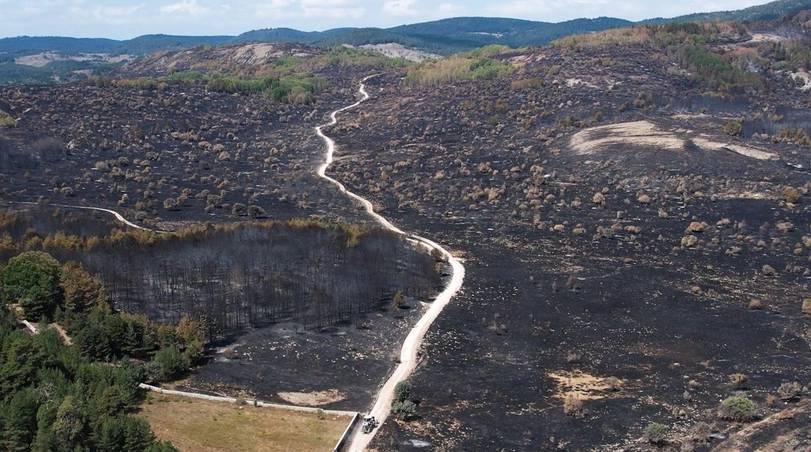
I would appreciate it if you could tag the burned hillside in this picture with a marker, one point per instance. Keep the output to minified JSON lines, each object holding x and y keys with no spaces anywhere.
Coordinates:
{"x":635,"y":228}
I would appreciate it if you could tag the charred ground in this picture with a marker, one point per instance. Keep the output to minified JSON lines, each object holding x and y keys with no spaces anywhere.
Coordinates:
{"x":636,"y":233}
{"x":632,"y":207}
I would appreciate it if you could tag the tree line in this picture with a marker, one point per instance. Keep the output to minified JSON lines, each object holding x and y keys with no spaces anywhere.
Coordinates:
{"x":59,"y":397}
{"x":229,"y":277}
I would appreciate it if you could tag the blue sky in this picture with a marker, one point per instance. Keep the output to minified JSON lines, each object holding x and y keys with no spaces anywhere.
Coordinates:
{"x":129,"y":18}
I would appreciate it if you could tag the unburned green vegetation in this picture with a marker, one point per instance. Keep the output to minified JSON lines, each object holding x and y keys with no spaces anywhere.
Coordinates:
{"x":298,"y":89}
{"x":294,"y":88}
{"x":287,"y":78}
{"x":738,"y":409}
{"x":344,"y":56}
{"x":40,"y":289}
{"x":6,"y":120}
{"x":715,"y":70}
{"x":479,"y":64}
{"x":54,"y":397}
{"x":687,"y":44}
{"x":657,"y":35}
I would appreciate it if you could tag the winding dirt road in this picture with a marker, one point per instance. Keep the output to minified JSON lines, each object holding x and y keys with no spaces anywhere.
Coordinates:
{"x":408,"y":353}
{"x":117,"y":215}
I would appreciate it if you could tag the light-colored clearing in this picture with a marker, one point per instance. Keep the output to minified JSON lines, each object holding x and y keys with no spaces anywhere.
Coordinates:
{"x":573,"y":82}
{"x":254,"y":54}
{"x":395,"y":50}
{"x":581,"y":385}
{"x":804,"y":77}
{"x":316,"y":398}
{"x":766,"y":37}
{"x":637,"y":133}
{"x":44,"y":58}
{"x":704,"y":142}
{"x":645,"y":134}
{"x":204,"y":426}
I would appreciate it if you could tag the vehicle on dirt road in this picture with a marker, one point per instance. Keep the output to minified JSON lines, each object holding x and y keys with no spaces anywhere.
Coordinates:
{"x":369,"y":424}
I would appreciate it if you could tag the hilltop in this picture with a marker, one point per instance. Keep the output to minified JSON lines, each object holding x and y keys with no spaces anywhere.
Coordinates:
{"x":30,"y":59}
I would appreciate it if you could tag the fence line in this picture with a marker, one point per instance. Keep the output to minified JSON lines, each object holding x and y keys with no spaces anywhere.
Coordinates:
{"x":347,"y":432}
{"x":257,"y":403}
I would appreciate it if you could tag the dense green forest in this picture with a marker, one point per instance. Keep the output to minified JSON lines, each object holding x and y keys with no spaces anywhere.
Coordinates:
{"x":78,"y":390}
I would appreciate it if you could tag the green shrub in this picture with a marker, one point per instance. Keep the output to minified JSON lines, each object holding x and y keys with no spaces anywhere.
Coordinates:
{"x":488,"y":51}
{"x":733,"y":128}
{"x":404,"y":410}
{"x":402,"y":391}
{"x":6,"y":120}
{"x":144,"y":83}
{"x":234,"y":85}
{"x":470,"y":66}
{"x":32,"y":279}
{"x":357,"y":58}
{"x":739,"y":409}
{"x":655,"y":433}
{"x":169,"y":364}
{"x":296,"y":89}
{"x":293,"y":88}
{"x":714,"y":69}
{"x":287,"y":63}
{"x":185,"y":76}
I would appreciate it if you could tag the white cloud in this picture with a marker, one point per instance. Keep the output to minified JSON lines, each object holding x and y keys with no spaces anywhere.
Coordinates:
{"x":449,"y":10}
{"x":334,"y":9}
{"x":190,"y":7}
{"x":128,"y":18}
{"x":400,"y":8}
{"x":116,"y":14}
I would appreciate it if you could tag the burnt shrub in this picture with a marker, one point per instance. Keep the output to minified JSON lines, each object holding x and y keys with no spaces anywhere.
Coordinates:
{"x":48,"y":149}
{"x":573,"y":405}
{"x":789,"y":391}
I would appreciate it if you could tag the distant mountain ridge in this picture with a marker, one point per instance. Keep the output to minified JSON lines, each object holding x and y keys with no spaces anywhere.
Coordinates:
{"x":442,"y":36}
{"x":768,"y":11}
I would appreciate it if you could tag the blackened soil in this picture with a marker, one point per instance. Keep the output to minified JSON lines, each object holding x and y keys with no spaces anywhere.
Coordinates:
{"x":353,"y":359}
{"x":571,"y":272}
{"x":173,"y":153}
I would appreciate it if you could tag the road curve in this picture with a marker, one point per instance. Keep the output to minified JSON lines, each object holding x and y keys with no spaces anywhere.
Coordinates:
{"x":117,"y":215}
{"x":408,"y":353}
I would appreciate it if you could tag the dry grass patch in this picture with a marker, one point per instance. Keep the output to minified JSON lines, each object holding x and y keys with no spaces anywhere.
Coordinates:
{"x":201,"y":425}
{"x":316,"y":398}
{"x":583,"y":386}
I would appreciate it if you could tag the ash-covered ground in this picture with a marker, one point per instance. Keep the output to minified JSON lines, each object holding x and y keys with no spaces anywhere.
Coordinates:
{"x":623,"y":250}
